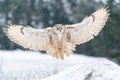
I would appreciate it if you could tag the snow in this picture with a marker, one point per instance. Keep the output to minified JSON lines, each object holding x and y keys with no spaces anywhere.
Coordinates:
{"x":93,"y":71}
{"x":29,"y":65}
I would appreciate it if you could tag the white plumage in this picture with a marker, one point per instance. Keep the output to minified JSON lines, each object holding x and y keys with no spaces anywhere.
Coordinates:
{"x":61,"y":39}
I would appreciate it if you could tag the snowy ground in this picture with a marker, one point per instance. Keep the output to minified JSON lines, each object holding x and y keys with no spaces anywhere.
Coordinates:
{"x":27,"y":65}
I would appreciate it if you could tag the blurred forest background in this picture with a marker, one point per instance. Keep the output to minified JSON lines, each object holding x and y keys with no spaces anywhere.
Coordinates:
{"x":45,"y":13}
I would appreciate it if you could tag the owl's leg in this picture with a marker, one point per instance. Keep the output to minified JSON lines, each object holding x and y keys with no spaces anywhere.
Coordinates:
{"x":51,"y":51}
{"x":68,"y":48}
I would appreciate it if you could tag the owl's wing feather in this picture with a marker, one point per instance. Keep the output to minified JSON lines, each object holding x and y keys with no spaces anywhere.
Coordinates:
{"x":89,"y":27}
{"x":28,"y":37}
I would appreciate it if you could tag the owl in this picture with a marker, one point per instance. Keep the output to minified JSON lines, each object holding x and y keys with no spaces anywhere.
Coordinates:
{"x":58,"y":40}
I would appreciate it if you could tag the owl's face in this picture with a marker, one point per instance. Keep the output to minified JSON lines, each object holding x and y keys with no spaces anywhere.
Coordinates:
{"x":59,"y":28}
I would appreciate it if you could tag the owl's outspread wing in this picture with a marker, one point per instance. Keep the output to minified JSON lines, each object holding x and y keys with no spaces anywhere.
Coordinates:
{"x":89,"y":27}
{"x":28,"y":37}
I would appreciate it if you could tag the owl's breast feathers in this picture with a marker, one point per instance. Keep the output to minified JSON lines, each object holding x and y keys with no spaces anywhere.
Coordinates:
{"x":59,"y":48}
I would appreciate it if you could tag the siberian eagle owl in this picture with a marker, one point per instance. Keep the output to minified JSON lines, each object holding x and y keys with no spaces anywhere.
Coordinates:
{"x":59,"y":39}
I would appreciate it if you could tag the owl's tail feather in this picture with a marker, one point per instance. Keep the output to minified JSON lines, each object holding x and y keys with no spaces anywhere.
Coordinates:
{"x":60,"y":53}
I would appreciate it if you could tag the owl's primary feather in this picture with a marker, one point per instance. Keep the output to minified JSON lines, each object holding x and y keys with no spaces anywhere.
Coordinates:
{"x":61,"y":39}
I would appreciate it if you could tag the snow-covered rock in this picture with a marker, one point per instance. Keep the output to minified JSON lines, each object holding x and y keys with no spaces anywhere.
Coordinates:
{"x":90,"y":70}
{"x":27,"y":65}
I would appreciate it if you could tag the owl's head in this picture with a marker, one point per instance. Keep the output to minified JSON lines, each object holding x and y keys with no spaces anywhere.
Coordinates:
{"x":59,"y":28}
